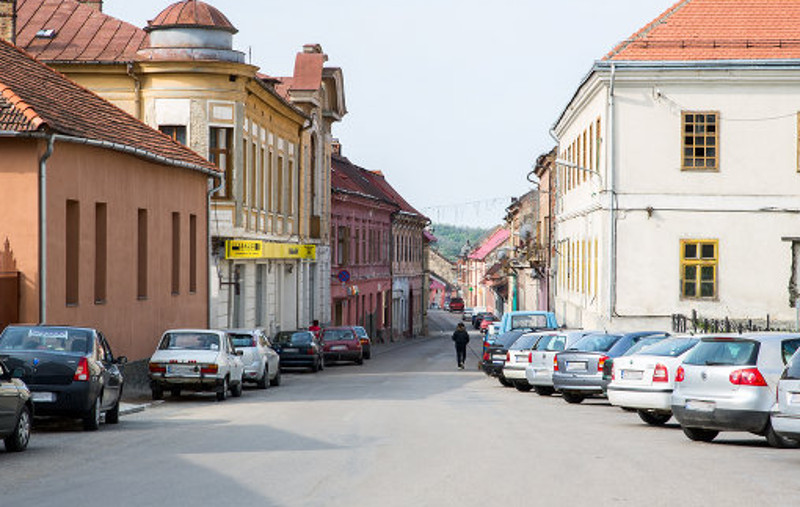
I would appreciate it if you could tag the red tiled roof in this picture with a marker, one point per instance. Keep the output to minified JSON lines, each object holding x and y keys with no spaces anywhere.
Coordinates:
{"x":350,"y":178}
{"x":66,"y":108}
{"x":493,"y":241}
{"x":191,"y":14}
{"x":80,"y":32}
{"x":379,"y":180}
{"x":308,"y":71}
{"x":717,"y":30}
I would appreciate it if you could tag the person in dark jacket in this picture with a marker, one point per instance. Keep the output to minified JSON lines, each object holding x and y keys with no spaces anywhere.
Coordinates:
{"x":461,"y":337}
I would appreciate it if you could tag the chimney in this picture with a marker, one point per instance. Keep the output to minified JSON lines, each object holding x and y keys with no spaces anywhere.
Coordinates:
{"x":336,"y":147}
{"x":94,"y":4}
{"x":8,"y":20}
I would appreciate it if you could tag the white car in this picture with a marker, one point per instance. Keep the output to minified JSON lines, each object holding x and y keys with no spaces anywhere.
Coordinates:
{"x":518,"y":358}
{"x":261,"y":362}
{"x":196,"y":360}
{"x":539,"y":373}
{"x":785,"y":416}
{"x":644,"y":381}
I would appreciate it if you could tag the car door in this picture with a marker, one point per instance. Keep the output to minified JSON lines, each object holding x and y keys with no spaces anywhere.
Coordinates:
{"x":9,"y":399}
{"x":111,"y":373}
{"x":269,"y":353}
{"x":234,"y":360}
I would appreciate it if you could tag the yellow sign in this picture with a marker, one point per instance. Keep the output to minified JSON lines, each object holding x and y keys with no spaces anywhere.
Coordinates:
{"x":244,"y":249}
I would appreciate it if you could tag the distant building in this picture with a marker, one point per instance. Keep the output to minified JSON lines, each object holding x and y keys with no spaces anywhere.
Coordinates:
{"x":484,"y":284}
{"x":443,"y":277}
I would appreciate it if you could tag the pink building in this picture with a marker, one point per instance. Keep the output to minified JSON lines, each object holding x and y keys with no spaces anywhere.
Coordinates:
{"x":480,"y":287}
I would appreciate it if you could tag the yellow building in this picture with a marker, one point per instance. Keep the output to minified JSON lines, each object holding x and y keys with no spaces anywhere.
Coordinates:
{"x":181,"y":75}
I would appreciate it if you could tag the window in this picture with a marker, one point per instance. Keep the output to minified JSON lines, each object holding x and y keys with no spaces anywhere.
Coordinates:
{"x":280,"y":189}
{"x":253,"y":175}
{"x":700,"y":141}
{"x":699,"y":260}
{"x":176,"y":253}
{"x":176,"y":132}
{"x":141,"y":255}
{"x":342,"y":246}
{"x":100,"y":251}
{"x":220,"y":152}
{"x":73,"y":231}
{"x":192,"y":253}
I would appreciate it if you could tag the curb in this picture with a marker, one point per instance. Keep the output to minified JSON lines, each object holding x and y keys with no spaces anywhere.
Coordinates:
{"x":131,"y":408}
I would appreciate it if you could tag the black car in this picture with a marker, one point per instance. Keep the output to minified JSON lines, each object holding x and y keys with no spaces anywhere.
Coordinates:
{"x":478,"y":318}
{"x":70,"y":371}
{"x":298,"y":349}
{"x":494,"y":354}
{"x":16,"y":411}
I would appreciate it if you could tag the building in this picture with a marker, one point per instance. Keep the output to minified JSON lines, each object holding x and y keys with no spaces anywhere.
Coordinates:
{"x":181,"y":75}
{"x":483,"y":285}
{"x":677,"y":185}
{"x":104,"y":220}
{"x":361,"y":228}
{"x":443,"y":278}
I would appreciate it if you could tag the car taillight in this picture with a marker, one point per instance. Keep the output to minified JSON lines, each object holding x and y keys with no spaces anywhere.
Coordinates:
{"x":601,"y":362}
{"x":748,"y":377}
{"x":158,"y":368}
{"x":530,"y":357}
{"x":508,"y":357}
{"x":209,"y":369}
{"x":486,"y":356}
{"x":660,"y":374}
{"x":82,"y":372}
{"x":310,"y":351}
{"x":555,"y":363}
{"x":680,"y":374}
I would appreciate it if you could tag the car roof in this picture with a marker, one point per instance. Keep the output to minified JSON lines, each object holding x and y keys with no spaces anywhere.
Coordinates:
{"x":765,"y":336}
{"x":188,"y":330}
{"x":45,"y":326}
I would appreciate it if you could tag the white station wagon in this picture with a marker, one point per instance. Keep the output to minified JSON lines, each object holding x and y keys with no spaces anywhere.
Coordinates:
{"x":196,"y":360}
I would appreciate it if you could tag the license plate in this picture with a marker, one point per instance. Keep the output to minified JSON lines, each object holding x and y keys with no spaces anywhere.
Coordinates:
{"x":631,"y":374}
{"x":43,"y":397}
{"x":522,"y":358}
{"x":794,"y":399}
{"x":180,"y":369}
{"x":700,"y":406}
{"x":576,"y":365}
{"x":339,"y":347}
{"x":291,"y":350}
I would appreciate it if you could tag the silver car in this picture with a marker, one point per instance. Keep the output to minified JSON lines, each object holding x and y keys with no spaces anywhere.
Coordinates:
{"x":729,"y":383}
{"x":261,"y":362}
{"x":539,"y":373}
{"x":785,"y":418}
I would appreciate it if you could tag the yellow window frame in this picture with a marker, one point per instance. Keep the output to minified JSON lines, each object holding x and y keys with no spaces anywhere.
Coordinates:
{"x":695,"y":270}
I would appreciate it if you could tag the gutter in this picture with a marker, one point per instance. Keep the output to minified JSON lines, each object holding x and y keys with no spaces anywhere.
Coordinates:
{"x":209,"y":193}
{"x":612,"y":218}
{"x":43,"y":228}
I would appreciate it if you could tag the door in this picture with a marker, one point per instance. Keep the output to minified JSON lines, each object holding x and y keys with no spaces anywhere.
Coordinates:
{"x":112,"y":377}
{"x":9,"y":398}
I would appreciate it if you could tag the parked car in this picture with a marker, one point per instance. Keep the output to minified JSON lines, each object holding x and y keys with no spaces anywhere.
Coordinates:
{"x":16,"y":410}
{"x":70,"y":371}
{"x":342,"y":344}
{"x":785,"y":416}
{"x":729,"y":383}
{"x":475,"y":312}
{"x":494,"y":354}
{"x":366,"y":342}
{"x":466,"y":314}
{"x":456,"y":304}
{"x":518,"y":358}
{"x":484,"y":327}
{"x":528,"y":319}
{"x":643,"y":343}
{"x":578,"y":371}
{"x":644,"y":381}
{"x":539,"y":373}
{"x":477,"y":319}
{"x":300,"y":348}
{"x":196,"y":360}
{"x":261,"y":362}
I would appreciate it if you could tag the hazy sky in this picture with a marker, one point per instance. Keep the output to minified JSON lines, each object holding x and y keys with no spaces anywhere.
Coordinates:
{"x":451,"y":99}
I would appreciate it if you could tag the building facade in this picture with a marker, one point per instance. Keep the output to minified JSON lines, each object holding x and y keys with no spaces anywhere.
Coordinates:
{"x":484,"y":284}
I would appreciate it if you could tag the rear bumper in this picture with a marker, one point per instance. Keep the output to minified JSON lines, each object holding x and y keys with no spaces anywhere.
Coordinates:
{"x":343,"y":355}
{"x":297,"y":361}
{"x":539,"y":376}
{"x":493,"y":369}
{"x":204,"y":383}
{"x":583,"y":384}
{"x":73,"y":399}
{"x":723,"y":419}
{"x":786,"y":425}
{"x":514,"y":373}
{"x":643,"y":398}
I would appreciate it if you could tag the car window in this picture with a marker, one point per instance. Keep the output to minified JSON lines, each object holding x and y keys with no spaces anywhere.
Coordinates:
{"x":596,"y":343}
{"x":337,"y":335}
{"x":103,"y":353}
{"x":528,"y":321}
{"x":552,"y":343}
{"x":230,"y":347}
{"x":727,"y":352}
{"x":360,"y":331}
{"x":788,"y":348}
{"x":643,"y":343}
{"x":508,"y":339}
{"x":525,"y":342}
{"x":671,"y":347}
{"x":243,"y":340}
{"x":52,"y":339}
{"x":189,"y":341}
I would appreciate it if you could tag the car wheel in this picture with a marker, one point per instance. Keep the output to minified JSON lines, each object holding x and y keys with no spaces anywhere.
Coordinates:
{"x":262,"y":382}
{"x":18,"y":440}
{"x":573,"y":398}
{"x":360,"y":360}
{"x":175,"y":392}
{"x":778,"y":441}
{"x":112,"y":416}
{"x":91,"y":421}
{"x":322,"y":363}
{"x":222,"y":391}
{"x":158,"y":393}
{"x":522,"y":386}
{"x":236,"y":389}
{"x":543,"y":390}
{"x":700,"y":434}
{"x":316,"y":366}
{"x":276,"y":381}
{"x":654,"y":418}
{"x":504,"y":381}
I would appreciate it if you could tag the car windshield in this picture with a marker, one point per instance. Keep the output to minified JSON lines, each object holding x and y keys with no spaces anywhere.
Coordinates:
{"x":671,"y":347}
{"x":643,"y":344}
{"x":596,"y":343}
{"x":508,"y":339}
{"x":525,"y":342}
{"x":552,"y":343}
{"x":528,"y":321}
{"x":53,"y":339}
{"x":361,"y":332}
{"x":724,"y":352}
{"x":243,"y":340}
{"x":189,"y":341}
{"x":293,"y":338}
{"x":333,"y":335}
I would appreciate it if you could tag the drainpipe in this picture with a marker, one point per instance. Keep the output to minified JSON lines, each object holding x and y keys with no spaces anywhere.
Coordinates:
{"x":137,"y":91}
{"x":210,"y":192}
{"x":612,"y":219}
{"x":43,"y":228}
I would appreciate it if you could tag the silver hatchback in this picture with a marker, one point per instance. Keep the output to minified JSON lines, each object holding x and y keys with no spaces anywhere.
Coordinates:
{"x":728,"y":383}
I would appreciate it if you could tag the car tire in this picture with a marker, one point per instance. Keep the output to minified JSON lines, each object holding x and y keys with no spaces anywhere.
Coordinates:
{"x":175,"y":392}
{"x":368,"y":355}
{"x":236,"y":389}
{"x":654,"y":418}
{"x":18,"y":440}
{"x":360,"y":360}
{"x":222,"y":391}
{"x":573,"y":398}
{"x":158,"y":393}
{"x":112,"y":416}
{"x":504,"y":381}
{"x":316,"y":366}
{"x":523,"y":386}
{"x":700,"y":434}
{"x":262,"y":382}
{"x":322,"y":364}
{"x":544,"y":390}
{"x":91,"y":420}
{"x":276,"y":381}
{"x":778,"y":441}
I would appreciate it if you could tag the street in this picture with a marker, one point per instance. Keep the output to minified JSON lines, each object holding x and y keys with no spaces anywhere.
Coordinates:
{"x":407,"y":428}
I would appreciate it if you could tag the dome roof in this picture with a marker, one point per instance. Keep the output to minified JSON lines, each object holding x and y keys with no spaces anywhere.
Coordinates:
{"x":191,"y":14}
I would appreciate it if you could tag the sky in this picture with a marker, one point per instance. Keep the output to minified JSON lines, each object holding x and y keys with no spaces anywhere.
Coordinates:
{"x":451,"y":99}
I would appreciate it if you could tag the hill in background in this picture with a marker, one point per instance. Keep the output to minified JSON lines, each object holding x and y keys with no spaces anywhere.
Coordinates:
{"x":452,"y":238}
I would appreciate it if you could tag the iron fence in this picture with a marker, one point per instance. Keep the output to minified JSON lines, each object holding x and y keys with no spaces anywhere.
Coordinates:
{"x":698,"y":324}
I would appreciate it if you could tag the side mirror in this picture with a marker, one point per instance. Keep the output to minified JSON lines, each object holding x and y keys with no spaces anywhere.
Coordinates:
{"x":122,"y":360}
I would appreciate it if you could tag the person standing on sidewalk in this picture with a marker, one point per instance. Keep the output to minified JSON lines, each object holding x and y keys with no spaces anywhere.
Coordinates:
{"x":461,"y":338}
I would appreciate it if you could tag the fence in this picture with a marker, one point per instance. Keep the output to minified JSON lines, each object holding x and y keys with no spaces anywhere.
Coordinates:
{"x":698,"y":324}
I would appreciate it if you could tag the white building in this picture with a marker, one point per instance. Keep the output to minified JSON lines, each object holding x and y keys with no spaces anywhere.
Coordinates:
{"x":686,"y":192}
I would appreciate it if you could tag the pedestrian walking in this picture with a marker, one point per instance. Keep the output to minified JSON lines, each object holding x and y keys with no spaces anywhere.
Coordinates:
{"x":461,"y":338}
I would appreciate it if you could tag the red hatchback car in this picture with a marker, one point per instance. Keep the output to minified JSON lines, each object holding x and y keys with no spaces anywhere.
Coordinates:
{"x":342,"y":344}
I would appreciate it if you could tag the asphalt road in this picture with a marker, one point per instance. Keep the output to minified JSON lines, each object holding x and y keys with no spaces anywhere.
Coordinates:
{"x":407,"y":428}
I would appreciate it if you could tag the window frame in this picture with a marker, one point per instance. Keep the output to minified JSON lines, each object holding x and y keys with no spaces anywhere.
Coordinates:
{"x":214,"y":153}
{"x":704,"y":157}
{"x":699,"y":262}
